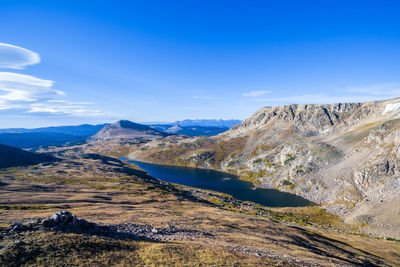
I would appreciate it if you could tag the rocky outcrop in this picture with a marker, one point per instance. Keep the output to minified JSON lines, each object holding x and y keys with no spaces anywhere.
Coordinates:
{"x":65,"y":221}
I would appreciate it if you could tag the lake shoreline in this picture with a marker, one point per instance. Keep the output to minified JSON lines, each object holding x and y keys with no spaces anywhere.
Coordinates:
{"x":222,"y":182}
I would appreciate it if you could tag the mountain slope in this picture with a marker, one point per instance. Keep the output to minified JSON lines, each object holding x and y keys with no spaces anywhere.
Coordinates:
{"x":209,"y":123}
{"x":12,"y":157}
{"x":124,"y":129}
{"x":36,"y":140}
{"x":199,"y":123}
{"x":344,"y":156}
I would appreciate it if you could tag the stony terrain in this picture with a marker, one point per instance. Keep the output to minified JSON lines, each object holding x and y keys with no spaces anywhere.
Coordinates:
{"x":119,"y":215}
{"x":345,"y":157}
{"x":67,"y":222}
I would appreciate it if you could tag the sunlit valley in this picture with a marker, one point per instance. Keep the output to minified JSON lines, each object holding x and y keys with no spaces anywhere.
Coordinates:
{"x":215,"y":134}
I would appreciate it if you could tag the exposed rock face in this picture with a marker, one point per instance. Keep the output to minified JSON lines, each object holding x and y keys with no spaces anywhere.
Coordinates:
{"x":345,"y":156}
{"x":306,"y":119}
{"x":12,"y":157}
{"x":64,"y":220}
{"x":127,"y":130}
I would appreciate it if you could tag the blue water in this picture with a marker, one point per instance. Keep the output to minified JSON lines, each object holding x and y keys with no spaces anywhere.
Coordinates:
{"x":223,"y":182}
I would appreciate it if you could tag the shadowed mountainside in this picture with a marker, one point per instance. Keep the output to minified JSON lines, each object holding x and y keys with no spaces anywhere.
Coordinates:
{"x":47,"y":136}
{"x":13,"y":157}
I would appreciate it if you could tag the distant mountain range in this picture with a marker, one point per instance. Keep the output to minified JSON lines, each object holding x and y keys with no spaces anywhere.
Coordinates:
{"x":79,"y":130}
{"x":189,"y":130}
{"x":47,"y":136}
{"x":199,"y":122}
{"x":34,"y":139}
{"x":194,"y":127}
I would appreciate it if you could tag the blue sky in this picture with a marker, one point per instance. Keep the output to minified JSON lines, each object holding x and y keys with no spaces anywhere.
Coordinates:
{"x":71,"y":62}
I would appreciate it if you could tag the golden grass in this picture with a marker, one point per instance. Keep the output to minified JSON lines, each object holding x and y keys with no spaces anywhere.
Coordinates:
{"x":106,"y":194}
{"x":57,"y":249}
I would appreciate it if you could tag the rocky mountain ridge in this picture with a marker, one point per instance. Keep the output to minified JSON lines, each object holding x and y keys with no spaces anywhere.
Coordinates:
{"x":343,"y":156}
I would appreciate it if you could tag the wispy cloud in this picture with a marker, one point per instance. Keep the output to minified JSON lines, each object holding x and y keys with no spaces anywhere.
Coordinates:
{"x":20,"y":88}
{"x":29,"y":95}
{"x":68,"y":108}
{"x":316,"y":99}
{"x":257,"y":93}
{"x":382,"y":89}
{"x":15,"y":57}
{"x":349,"y":94}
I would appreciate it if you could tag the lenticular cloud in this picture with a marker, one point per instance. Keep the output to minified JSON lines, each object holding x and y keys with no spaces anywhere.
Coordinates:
{"x":15,"y":57}
{"x":28,"y":94}
{"x":18,"y":88}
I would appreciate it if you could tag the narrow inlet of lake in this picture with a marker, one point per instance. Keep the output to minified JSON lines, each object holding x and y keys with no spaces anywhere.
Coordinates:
{"x":224,"y":183}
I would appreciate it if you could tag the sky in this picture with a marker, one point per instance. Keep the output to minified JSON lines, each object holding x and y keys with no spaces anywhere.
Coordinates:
{"x":72,"y":62}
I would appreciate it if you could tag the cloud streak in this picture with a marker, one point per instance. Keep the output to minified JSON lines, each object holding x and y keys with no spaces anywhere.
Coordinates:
{"x":16,"y":89}
{"x":350,"y":94}
{"x":15,"y":57}
{"x":256,"y":93}
{"x":381,"y":89}
{"x":66,"y":108}
{"x":316,"y":99}
{"x":29,"y":95}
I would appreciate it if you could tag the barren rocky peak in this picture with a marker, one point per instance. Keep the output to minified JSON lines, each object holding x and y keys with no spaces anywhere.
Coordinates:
{"x":317,"y":118}
{"x":127,"y":129}
{"x":129,"y":125}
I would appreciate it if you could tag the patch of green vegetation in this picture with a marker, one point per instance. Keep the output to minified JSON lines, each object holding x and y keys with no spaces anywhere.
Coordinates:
{"x":259,"y":149}
{"x":217,"y":201}
{"x":289,"y":158}
{"x":286,"y":182}
{"x":269,"y":163}
{"x":251,"y":179}
{"x":314,"y":215}
{"x":257,"y":161}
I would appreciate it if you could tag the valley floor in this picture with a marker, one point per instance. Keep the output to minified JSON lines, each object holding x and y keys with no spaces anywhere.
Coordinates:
{"x":108,"y":191}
